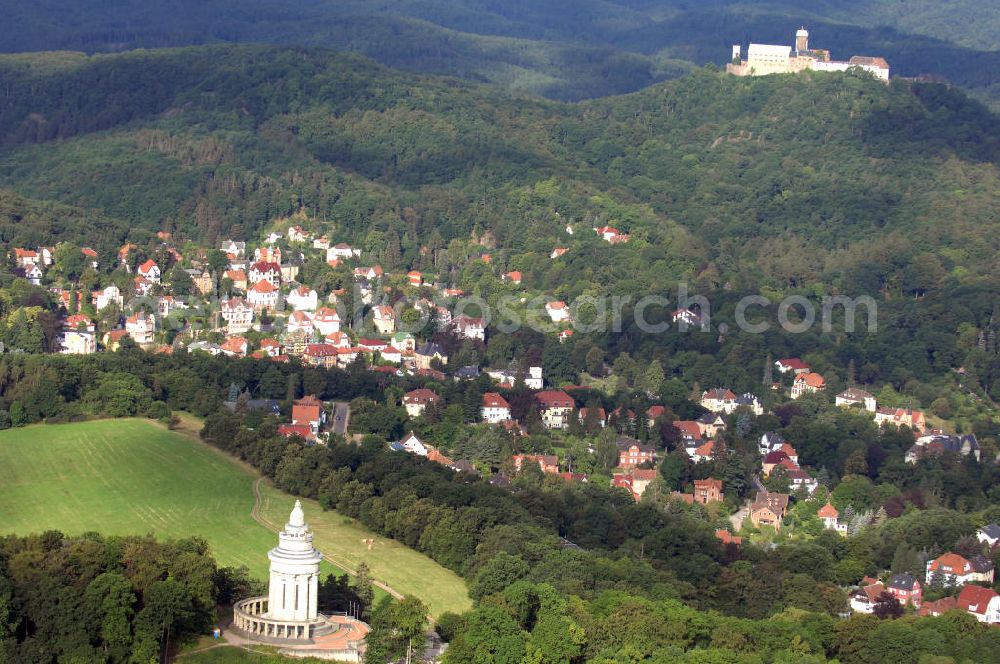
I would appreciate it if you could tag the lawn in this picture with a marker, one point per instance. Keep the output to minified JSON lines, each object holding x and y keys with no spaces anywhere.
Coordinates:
{"x":135,"y":477}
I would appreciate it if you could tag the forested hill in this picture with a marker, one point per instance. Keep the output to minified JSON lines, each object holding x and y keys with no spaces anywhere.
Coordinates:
{"x":785,"y":180}
{"x":563,"y":49}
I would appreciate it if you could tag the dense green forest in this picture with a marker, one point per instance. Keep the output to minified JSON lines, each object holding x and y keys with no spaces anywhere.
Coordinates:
{"x":564,"y":49}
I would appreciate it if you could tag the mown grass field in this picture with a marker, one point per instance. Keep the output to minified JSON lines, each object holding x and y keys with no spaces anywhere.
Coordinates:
{"x":135,"y":477}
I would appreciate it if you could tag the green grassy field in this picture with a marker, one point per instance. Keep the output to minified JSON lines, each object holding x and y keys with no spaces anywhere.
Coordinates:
{"x":135,"y":477}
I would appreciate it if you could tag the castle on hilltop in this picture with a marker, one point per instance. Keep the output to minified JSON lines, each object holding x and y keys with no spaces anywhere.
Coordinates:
{"x":764,"y":59}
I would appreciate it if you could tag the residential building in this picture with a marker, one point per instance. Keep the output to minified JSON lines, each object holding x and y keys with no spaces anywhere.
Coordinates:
{"x":989,"y":534}
{"x":263,"y":296}
{"x":237,"y":314}
{"x":548,"y":463}
{"x":632,"y":453}
{"x":863,"y":599}
{"x":470,"y":328}
{"x":416,"y":401}
{"x":326,"y":321}
{"x":299,"y":321}
{"x":938,"y":444}
{"x":149,"y":271}
{"x":830,"y":518}
{"x":952,"y":569}
{"x":707,"y":491}
{"x":141,"y":327}
{"x":768,"y":509}
{"x":719,"y":400}
{"x":265,"y":271}
{"x":109,"y":296}
{"x":983,"y":603}
{"x":384,"y":319}
{"x":234,"y":347}
{"x":855,"y":396}
{"x":321,"y":355}
{"x":791,"y":364}
{"x":901,"y":417}
{"x":906,"y":588}
{"x":558,"y":311}
{"x":309,"y":411}
{"x":341,"y":251}
{"x":427,"y":353}
{"x":555,"y":407}
{"x":807,"y":383}
{"x":495,"y":408}
{"x":302,"y":298}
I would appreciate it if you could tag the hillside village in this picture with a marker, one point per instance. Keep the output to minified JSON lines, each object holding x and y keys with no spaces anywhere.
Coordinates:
{"x":268,"y":302}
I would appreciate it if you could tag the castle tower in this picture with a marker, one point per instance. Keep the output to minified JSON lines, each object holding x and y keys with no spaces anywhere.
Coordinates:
{"x":294,"y":572}
{"x":802,"y":40}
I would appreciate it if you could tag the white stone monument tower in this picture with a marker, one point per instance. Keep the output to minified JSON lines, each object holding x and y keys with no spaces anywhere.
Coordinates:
{"x":289,"y":612}
{"x":294,"y":572}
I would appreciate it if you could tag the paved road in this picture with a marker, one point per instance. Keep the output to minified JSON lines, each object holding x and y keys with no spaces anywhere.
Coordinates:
{"x":341,"y":410}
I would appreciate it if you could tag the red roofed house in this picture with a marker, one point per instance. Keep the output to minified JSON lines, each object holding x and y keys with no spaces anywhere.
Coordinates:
{"x":415,"y":278}
{"x":954,"y":570}
{"x":807,"y":383}
{"x":326,"y":321}
{"x":495,"y":408}
{"x":469,"y":327}
{"x":901,"y":417}
{"x":549,"y":463}
{"x":25,"y":257}
{"x":238,"y":277}
{"x":234,"y":347}
{"x":308,"y":411}
{"x":654,"y":413}
{"x":416,"y":401}
{"x":263,"y":296}
{"x":704,"y":452}
{"x":689,"y":430}
{"x":555,"y":407}
{"x":707,"y":491}
{"x":149,"y":271}
{"x":264,"y":271}
{"x":558,"y":311}
{"x":300,"y":430}
{"x":829,"y":515}
{"x":863,"y":599}
{"x":980,"y":602}
{"x":513,"y":277}
{"x":321,"y":355}
{"x":792,"y":364}
{"x":718,"y":400}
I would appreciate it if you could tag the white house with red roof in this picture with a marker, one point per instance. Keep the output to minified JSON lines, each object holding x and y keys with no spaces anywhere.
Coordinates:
{"x":302,"y":298}
{"x":141,"y":327}
{"x":495,"y":408}
{"x":25,"y":257}
{"x":718,"y":400}
{"x":513,"y":277}
{"x":149,"y":271}
{"x":415,"y":278}
{"x":793,"y":364}
{"x":263,"y":296}
{"x":983,"y":603}
{"x":265,"y":271}
{"x":469,"y":327}
{"x":79,"y":335}
{"x":955,"y":570}
{"x":308,"y":411}
{"x":300,"y":321}
{"x":326,"y":321}
{"x":234,"y":346}
{"x":558,"y":311}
